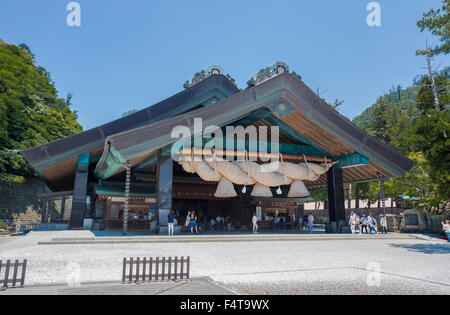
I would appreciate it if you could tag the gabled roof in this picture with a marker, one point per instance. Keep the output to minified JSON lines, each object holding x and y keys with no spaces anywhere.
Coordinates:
{"x":306,"y":112}
{"x":56,"y":161}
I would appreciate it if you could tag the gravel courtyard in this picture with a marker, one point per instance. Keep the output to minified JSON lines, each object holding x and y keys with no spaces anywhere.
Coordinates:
{"x":291,"y":267}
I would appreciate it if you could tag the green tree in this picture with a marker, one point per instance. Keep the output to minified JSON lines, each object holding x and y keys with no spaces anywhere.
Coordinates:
{"x":438,"y":23}
{"x":430,"y":133}
{"x":419,"y":184}
{"x":31,"y":113}
{"x":368,"y":192}
{"x":319,"y":196}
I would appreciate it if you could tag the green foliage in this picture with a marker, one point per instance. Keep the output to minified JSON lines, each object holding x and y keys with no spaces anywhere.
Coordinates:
{"x":319,"y":196}
{"x":438,"y":23}
{"x":368,"y":192}
{"x":419,"y":184}
{"x":391,"y":117}
{"x":3,"y":226}
{"x":31,"y":113}
{"x":408,"y":121}
{"x":430,"y":134}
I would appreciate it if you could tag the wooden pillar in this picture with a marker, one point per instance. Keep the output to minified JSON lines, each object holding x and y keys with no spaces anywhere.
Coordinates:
{"x":383,"y":203}
{"x":164,"y":182}
{"x":336,"y":202}
{"x":63,"y":207}
{"x":80,"y":193}
{"x":43,"y":210}
{"x":127,"y":197}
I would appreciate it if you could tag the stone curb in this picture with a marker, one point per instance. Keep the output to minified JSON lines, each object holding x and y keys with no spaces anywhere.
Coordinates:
{"x":206,"y":239}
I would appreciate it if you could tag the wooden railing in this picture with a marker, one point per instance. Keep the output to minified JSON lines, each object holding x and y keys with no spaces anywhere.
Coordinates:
{"x":16,"y":277}
{"x":155,"y":269}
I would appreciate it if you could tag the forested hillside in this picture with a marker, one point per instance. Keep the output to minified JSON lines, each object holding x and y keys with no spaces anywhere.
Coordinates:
{"x":31,"y":112}
{"x":391,"y":117}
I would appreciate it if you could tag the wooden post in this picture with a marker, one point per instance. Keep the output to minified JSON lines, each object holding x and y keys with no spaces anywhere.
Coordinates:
{"x":124,"y":269}
{"x":336,"y":202}
{"x":188,"y":266}
{"x":151,"y":268}
{"x":131,"y":270}
{"x":163,"y":267}
{"x":137,"y":269}
{"x":24,"y":269}
{"x":144,"y":269}
{"x":157,"y":269}
{"x":181,"y":268}
{"x":176,"y":266}
{"x":5,"y":282}
{"x":16,"y":266}
{"x":383,"y":203}
{"x":127,"y":197}
{"x":170,"y":268}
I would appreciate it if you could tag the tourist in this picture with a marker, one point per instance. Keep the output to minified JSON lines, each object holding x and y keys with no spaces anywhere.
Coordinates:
{"x":372,"y":224}
{"x":255,"y":223}
{"x":288,"y":223}
{"x":282,"y":222}
{"x":274,"y":222}
{"x":171,"y":222}
{"x":446,"y":228}
{"x":188,"y":221}
{"x":229,"y":221}
{"x":384,"y":227}
{"x":219,"y":222}
{"x":213,"y":224}
{"x":193,"y":223}
{"x":352,"y":222}
{"x":300,"y":223}
{"x":364,"y":224}
{"x":305,"y":221}
{"x":310,"y":223}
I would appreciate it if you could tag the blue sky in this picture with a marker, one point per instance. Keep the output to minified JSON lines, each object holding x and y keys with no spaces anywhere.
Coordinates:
{"x":132,"y":54}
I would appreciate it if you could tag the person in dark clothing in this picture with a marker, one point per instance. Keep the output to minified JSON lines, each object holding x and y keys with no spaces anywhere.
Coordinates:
{"x":288,"y":223}
{"x":171,"y":222}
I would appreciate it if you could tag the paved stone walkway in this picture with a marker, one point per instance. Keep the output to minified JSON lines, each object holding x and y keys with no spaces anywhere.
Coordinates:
{"x":191,"y":287}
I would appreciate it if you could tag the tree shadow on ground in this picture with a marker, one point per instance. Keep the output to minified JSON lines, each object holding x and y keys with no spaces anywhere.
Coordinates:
{"x":440,"y":249}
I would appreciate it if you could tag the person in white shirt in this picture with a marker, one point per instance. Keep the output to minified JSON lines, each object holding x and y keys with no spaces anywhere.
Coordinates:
{"x":300,"y":223}
{"x":384,"y":227}
{"x":352,"y":222}
{"x":255,"y":223}
{"x":219,"y":222}
{"x":310,"y":223}
{"x":188,"y":220}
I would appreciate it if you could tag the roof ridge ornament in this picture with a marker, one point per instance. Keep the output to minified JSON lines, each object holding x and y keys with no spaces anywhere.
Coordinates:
{"x":267,"y":73}
{"x":206,"y":73}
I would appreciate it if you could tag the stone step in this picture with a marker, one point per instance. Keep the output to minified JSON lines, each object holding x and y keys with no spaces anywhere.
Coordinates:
{"x":224,"y":238}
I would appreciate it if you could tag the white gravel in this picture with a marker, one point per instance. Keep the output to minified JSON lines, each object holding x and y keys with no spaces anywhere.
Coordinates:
{"x":293,"y":267}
